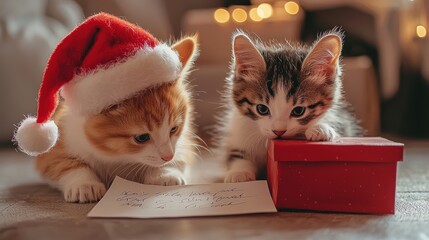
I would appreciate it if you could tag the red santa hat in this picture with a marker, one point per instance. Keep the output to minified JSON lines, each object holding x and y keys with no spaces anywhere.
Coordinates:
{"x":104,"y":61}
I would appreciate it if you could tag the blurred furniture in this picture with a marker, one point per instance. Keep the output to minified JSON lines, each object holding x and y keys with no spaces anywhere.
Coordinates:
{"x":162,"y":18}
{"x":361,"y":91}
{"x":29,"y":30}
{"x":149,"y":14}
{"x":215,"y":38}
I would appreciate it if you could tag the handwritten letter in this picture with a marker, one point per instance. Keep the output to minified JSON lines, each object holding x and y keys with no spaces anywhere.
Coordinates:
{"x":134,"y":200}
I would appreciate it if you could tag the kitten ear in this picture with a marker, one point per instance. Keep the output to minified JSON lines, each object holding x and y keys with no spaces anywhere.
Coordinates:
{"x":323,"y":58}
{"x":187,"y":48}
{"x":249,"y":62}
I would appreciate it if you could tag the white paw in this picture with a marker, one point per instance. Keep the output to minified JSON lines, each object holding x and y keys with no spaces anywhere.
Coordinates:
{"x":239,"y":176}
{"x":84,"y":192}
{"x":168,"y":179}
{"x":320,"y":133}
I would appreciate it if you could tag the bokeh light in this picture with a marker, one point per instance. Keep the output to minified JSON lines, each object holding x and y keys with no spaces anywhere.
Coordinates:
{"x":239,"y":15}
{"x":421,"y":31}
{"x":292,"y":7}
{"x":265,"y":10}
{"x":253,"y":14}
{"x":221,"y":15}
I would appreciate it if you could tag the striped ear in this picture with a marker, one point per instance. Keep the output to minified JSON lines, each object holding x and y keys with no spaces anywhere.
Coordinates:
{"x":323,"y":58}
{"x":249,"y":62}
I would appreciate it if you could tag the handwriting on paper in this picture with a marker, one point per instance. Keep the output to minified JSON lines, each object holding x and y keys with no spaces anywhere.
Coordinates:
{"x":130,"y":199}
{"x":185,"y":199}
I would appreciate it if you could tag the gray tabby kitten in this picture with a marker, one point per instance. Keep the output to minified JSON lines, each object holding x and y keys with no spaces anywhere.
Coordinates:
{"x":281,"y":91}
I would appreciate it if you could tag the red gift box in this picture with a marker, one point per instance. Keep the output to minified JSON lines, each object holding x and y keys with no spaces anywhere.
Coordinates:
{"x":355,"y":175}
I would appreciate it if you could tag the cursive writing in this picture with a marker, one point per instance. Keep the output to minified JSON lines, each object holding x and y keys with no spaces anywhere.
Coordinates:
{"x":184,"y":199}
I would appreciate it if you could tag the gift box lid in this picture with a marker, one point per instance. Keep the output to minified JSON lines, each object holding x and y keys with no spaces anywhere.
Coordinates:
{"x":367,"y":149}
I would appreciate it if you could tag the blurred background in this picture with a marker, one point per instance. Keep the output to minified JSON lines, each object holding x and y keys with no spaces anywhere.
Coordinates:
{"x":385,"y":54}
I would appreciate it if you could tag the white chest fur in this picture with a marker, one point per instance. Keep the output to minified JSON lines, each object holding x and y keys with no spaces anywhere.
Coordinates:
{"x":245,"y":135}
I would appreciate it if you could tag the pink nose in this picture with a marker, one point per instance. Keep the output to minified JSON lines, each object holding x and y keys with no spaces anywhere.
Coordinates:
{"x":167,"y":158}
{"x":279,"y":133}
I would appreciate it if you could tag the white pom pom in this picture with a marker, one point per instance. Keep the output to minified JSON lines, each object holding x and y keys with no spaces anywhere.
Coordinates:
{"x":33,"y":138}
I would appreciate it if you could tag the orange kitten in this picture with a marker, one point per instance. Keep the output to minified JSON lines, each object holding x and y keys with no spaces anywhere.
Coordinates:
{"x":147,"y":139}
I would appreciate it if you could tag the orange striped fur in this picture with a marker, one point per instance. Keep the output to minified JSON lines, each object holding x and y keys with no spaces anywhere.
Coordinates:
{"x":92,"y":150}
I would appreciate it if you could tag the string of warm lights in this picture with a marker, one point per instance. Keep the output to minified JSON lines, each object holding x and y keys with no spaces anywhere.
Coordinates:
{"x":256,"y":14}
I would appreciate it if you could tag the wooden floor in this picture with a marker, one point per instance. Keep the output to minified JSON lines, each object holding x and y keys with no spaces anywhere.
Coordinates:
{"x":30,"y":209}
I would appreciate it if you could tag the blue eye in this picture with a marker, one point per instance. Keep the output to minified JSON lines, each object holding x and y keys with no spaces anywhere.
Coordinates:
{"x":142,"y":138}
{"x":298,"y":111}
{"x":262,"y":109}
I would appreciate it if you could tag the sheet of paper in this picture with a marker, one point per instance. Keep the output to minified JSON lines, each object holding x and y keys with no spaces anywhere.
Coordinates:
{"x":128,"y":199}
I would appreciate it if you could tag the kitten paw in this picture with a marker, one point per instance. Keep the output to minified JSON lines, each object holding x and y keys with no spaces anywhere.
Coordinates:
{"x":84,"y":192}
{"x":321,"y":133}
{"x":239,"y":176}
{"x":168,"y":179}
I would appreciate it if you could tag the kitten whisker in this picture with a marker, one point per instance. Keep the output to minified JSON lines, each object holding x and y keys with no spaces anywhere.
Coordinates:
{"x":140,"y":173}
{"x":186,"y":152}
{"x":197,"y":147}
{"x":132,"y":169}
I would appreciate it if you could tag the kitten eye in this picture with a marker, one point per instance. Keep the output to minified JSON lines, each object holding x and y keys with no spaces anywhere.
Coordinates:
{"x":262,"y":109}
{"x":142,"y":138}
{"x":298,"y":111}
{"x":173,"y":130}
